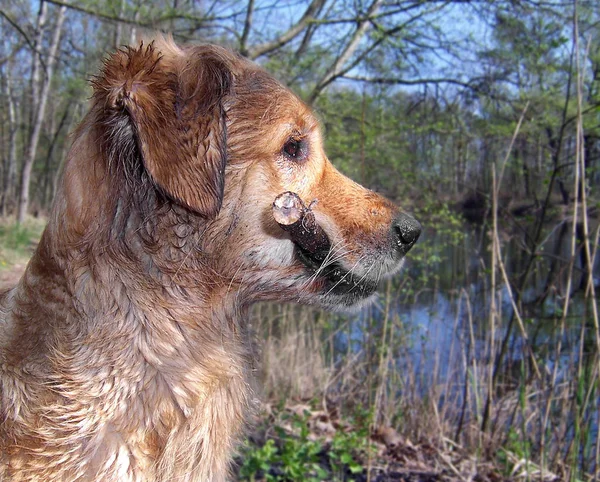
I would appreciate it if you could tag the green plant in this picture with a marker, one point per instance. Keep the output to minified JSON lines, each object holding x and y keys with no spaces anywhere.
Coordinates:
{"x":300,"y":454}
{"x":18,"y":240}
{"x":258,"y":460}
{"x":343,"y":451}
{"x":515,"y":448}
{"x":297,"y":455}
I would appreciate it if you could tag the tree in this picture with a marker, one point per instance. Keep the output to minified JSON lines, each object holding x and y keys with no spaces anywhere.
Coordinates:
{"x":41,"y":80}
{"x":424,"y":60}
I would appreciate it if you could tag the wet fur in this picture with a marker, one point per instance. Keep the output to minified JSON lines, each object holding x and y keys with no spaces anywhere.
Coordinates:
{"x":123,"y":349}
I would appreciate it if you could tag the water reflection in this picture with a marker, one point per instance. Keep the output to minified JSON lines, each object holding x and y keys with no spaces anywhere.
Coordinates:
{"x":441,"y":311}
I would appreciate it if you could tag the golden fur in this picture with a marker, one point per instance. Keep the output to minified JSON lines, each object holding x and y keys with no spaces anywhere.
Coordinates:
{"x":123,"y":349}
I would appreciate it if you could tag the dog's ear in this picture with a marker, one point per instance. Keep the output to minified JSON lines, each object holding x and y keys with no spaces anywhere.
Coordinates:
{"x":166,"y":105}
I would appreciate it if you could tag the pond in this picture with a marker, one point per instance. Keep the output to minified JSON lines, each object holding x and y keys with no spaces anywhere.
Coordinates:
{"x":448,"y":335}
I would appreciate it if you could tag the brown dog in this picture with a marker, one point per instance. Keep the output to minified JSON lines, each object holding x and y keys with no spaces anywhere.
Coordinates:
{"x":123,"y":348}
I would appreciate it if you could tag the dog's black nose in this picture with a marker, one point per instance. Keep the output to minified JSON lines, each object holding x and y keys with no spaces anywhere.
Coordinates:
{"x":406,"y":231}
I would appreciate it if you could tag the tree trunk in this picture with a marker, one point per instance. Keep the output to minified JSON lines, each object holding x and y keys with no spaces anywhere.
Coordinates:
{"x":10,"y":173}
{"x":522,"y":151}
{"x":44,"y":92}
{"x":119,"y":27}
{"x":37,"y":63}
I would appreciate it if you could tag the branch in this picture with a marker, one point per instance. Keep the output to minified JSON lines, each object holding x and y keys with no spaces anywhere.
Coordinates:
{"x":288,"y":36}
{"x":247,"y":25}
{"x":150,"y":24}
{"x":308,"y":35}
{"x":336,"y":69}
{"x":366,"y":17}
{"x":94,"y":13}
{"x":385,"y":34}
{"x":395,"y":81}
{"x":12,"y":54}
{"x":18,"y":29}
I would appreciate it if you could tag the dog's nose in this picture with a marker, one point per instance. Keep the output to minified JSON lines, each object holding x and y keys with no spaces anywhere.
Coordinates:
{"x":405,"y":231}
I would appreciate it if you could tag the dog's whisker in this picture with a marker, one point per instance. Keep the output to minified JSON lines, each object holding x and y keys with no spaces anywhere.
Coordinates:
{"x":366,"y":274}
{"x":337,"y":252}
{"x":330,"y":260}
{"x":343,"y":278}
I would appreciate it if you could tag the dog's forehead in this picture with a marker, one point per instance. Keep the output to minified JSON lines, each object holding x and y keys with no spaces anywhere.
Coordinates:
{"x":254,"y":85}
{"x":258,"y":95}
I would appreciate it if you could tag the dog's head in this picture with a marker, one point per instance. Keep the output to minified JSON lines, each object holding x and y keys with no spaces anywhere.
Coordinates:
{"x":220,"y":138}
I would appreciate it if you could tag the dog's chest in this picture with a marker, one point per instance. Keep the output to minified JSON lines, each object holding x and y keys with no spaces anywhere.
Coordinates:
{"x":171,"y":425}
{"x":130,"y":447}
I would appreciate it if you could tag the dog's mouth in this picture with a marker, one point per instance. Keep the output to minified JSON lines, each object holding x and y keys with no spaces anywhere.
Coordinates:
{"x":335,"y":279}
{"x":337,"y":285}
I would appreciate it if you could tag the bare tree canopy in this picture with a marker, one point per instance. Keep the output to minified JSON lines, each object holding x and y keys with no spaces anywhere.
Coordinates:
{"x":465,"y":61}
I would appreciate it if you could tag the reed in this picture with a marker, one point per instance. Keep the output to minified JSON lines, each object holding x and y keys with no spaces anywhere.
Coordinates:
{"x":516,"y":389}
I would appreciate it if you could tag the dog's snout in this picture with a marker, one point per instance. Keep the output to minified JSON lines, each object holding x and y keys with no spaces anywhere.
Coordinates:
{"x":405,"y":230}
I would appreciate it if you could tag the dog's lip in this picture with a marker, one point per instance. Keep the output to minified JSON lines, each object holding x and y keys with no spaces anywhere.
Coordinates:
{"x":337,"y":280}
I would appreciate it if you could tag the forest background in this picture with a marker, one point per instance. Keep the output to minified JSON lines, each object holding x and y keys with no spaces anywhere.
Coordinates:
{"x":483,"y":119}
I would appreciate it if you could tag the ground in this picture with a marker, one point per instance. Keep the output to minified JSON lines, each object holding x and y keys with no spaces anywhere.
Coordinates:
{"x":10,"y":276}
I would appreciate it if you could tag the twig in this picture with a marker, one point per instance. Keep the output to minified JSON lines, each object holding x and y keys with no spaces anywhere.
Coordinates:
{"x":299,"y":221}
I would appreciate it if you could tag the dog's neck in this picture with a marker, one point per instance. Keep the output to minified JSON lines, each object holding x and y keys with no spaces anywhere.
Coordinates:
{"x":158,"y":347}
{"x":147,"y":267}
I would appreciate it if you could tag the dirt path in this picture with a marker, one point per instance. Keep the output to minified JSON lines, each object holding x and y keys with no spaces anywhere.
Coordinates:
{"x":10,"y":276}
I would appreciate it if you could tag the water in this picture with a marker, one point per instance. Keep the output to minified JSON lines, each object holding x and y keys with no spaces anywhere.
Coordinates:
{"x":456,"y":311}
{"x":440,"y":311}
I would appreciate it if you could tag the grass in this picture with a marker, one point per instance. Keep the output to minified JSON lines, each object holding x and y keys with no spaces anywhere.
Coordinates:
{"x":17,"y":241}
{"x":364,"y":397}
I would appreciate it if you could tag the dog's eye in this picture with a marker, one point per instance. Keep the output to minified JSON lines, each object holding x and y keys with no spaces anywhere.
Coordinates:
{"x":295,"y":149}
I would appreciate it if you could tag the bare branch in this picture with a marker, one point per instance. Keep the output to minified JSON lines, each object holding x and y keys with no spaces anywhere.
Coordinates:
{"x":12,"y":54}
{"x":338,"y":69}
{"x":18,"y":29}
{"x":397,"y":81}
{"x":288,"y":36}
{"x":308,"y":36}
{"x":335,"y":69}
{"x":152,"y":23}
{"x":247,"y":25}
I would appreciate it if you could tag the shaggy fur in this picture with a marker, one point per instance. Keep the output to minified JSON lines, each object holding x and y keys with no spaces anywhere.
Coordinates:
{"x":123,"y":351}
